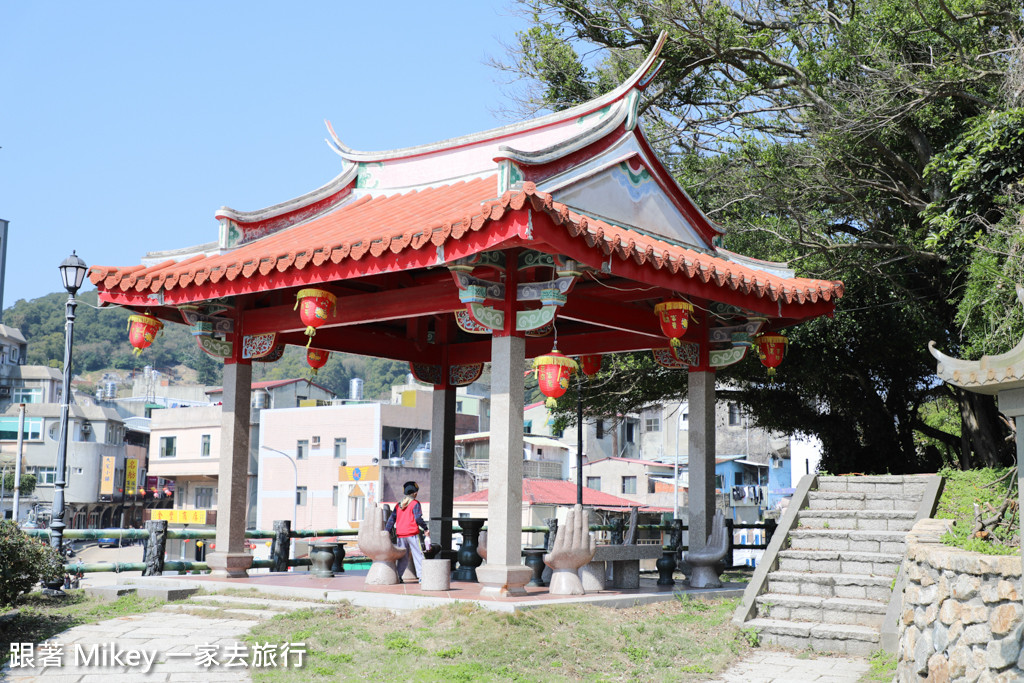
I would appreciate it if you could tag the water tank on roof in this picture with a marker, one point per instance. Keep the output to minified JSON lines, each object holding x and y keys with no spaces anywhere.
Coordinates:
{"x":421,"y":457}
{"x":261,"y":400}
{"x":355,"y":389}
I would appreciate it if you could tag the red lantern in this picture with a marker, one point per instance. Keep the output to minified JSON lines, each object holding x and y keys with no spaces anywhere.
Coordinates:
{"x":317,"y":358}
{"x":591,"y":365}
{"x":772,"y":349}
{"x":142,"y":330}
{"x":314,"y":306}
{"x":553,"y":372}
{"x":674,"y":317}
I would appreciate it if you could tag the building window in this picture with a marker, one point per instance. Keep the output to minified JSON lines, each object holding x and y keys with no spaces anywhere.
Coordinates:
{"x":204,"y":497}
{"x":9,"y":429}
{"x":356,"y":508}
{"x":599,"y":429}
{"x":301,"y":449}
{"x":300,"y":495}
{"x":652,"y":424}
{"x":168,"y":446}
{"x":334,"y":496}
{"x":46,"y":475}
{"x":528,"y":427}
{"x":629,"y":484}
{"x":204,"y":449}
{"x":316,"y":442}
{"x":734,"y":415}
{"x":652,"y":485}
{"x":27,"y":395}
{"x":540,"y":452}
{"x":684,"y":421}
{"x":458,"y":406}
{"x":629,"y":432}
{"x":594,"y":483}
{"x":340,"y":448}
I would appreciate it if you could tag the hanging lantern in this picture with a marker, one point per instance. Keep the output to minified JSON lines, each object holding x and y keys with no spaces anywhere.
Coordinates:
{"x":772,"y":349}
{"x":591,"y":364}
{"x":314,"y":306}
{"x":142,"y":330}
{"x":553,"y":372}
{"x":317,"y":358}
{"x":674,"y":317}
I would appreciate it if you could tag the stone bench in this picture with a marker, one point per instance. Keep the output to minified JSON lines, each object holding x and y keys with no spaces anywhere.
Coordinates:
{"x":625,"y":565}
{"x":166,"y":593}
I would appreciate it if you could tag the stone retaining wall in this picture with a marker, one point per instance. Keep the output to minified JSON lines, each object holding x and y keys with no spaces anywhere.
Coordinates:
{"x":962,"y":616}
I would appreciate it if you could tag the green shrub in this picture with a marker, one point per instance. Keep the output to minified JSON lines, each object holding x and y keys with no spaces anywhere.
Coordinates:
{"x":24,"y":562}
{"x":982,"y":486}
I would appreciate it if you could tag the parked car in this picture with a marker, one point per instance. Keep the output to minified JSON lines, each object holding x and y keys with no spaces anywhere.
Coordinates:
{"x":109,"y":542}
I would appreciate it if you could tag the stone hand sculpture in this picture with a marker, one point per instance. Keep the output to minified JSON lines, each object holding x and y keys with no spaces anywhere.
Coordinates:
{"x":704,"y":561}
{"x":375,"y":542}
{"x":573,"y":548}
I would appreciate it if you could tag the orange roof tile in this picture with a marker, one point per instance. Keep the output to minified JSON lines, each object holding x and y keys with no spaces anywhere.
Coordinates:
{"x":430,"y":217}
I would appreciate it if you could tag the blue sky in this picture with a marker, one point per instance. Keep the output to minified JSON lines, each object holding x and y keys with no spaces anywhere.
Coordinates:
{"x":125,"y":125}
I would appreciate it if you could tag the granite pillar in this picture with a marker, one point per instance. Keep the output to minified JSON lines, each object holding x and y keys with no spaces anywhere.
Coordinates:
{"x":504,"y":574}
{"x":231,"y":558}
{"x":701,"y":437}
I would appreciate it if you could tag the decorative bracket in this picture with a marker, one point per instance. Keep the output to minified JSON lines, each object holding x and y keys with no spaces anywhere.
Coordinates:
{"x":218,"y":348}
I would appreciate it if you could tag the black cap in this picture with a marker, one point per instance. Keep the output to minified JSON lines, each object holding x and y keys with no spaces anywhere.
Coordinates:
{"x":410,"y":487}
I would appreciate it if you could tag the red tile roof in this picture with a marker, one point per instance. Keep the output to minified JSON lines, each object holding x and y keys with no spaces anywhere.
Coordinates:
{"x":430,"y":217}
{"x":271,"y":384}
{"x":557,"y":492}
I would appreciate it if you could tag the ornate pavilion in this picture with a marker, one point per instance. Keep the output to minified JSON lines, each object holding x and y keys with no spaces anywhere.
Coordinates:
{"x":478,"y":249}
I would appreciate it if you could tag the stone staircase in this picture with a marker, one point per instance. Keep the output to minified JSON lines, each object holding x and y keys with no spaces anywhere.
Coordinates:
{"x":831,"y":587}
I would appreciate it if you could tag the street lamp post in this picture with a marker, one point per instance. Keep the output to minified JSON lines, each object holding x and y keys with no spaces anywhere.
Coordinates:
{"x":72,"y":272}
{"x":295,"y":484}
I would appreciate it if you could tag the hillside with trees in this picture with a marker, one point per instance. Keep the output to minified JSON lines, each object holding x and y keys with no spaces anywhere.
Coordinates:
{"x":101,"y":344}
{"x":878,"y":143}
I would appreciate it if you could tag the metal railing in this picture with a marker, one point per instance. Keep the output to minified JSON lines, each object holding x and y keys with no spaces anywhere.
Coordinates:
{"x":283,"y":534}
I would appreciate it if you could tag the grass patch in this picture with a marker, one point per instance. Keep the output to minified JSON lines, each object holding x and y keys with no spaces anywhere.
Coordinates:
{"x":883,"y":667}
{"x":680,"y":640}
{"x":40,"y":617}
{"x":965,"y":488}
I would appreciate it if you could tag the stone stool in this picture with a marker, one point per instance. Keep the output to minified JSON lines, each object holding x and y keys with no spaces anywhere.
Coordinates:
{"x":437,"y":575}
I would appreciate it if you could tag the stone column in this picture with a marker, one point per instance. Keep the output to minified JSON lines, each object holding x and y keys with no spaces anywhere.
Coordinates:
{"x":442,"y":468}
{"x":504,"y":574}
{"x":1011,"y":404}
{"x":230,"y":558}
{"x":702,"y":456}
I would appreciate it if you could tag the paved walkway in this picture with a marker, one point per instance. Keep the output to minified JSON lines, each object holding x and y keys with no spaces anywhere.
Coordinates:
{"x":177,"y":644}
{"x":777,"y":666}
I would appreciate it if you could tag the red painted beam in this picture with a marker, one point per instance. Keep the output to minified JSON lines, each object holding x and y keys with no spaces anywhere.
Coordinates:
{"x":392,"y":304}
{"x":611,"y":315}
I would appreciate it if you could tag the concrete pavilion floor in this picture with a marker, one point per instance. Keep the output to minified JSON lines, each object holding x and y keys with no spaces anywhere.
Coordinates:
{"x":351,"y":587}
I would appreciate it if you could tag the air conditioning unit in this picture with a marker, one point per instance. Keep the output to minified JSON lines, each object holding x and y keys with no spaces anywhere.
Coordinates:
{"x":5,"y":391}
{"x":315,"y":442}
{"x":86,"y":427}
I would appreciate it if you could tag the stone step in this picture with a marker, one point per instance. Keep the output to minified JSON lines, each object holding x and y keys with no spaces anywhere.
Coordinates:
{"x":844,"y":539}
{"x":854,"y":586}
{"x":889,"y":486}
{"x":840,"y":638}
{"x":841,"y":500}
{"x":257,"y":602}
{"x":260,"y":614}
{"x":859,"y":520}
{"x":840,"y":562}
{"x":868,"y":613}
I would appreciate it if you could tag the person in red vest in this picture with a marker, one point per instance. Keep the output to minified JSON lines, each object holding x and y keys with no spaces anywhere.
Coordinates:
{"x":407,"y":520}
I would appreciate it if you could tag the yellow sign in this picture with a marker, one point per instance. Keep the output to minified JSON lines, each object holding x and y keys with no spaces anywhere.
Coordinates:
{"x":131,"y":474}
{"x":181,"y":516}
{"x":107,"y":475}
{"x":367,"y":473}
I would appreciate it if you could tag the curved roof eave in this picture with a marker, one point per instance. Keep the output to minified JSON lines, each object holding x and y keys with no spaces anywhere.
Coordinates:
{"x":638,"y":80}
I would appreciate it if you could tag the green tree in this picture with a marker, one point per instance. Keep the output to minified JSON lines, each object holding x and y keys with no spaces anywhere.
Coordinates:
{"x":816,"y":132}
